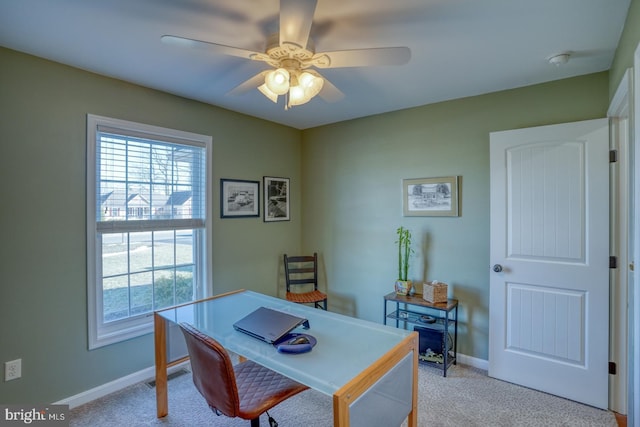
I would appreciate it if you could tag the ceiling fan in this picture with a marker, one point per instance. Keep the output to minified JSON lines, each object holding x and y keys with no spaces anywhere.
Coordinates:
{"x":291,"y":54}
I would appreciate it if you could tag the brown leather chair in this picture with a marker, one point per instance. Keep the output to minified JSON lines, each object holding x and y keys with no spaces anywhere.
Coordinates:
{"x":301,"y":275}
{"x":245,"y":390}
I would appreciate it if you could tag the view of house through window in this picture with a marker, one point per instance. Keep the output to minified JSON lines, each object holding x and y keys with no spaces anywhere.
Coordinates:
{"x":150,"y":229}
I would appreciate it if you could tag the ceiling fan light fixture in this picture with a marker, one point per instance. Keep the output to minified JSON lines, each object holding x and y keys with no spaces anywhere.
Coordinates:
{"x":290,"y":52}
{"x":277,"y":81}
{"x":312,"y":84}
{"x":298,"y":96}
{"x":268,"y":93}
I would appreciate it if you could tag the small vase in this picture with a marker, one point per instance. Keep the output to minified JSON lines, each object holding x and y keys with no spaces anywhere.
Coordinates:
{"x":403,"y":287}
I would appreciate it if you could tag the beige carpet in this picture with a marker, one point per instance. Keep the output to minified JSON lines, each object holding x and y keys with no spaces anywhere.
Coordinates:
{"x":467,"y":397}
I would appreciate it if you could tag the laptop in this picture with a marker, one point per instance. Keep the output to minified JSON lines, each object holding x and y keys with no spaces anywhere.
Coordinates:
{"x":269,"y":325}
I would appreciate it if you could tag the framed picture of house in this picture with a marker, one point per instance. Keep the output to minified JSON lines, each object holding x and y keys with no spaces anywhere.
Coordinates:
{"x":430,"y":196}
{"x":239,"y":198}
{"x":276,"y":199}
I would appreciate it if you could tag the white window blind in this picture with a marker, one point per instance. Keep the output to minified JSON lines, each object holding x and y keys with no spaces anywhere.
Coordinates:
{"x":144,"y":183}
{"x":149,"y":224}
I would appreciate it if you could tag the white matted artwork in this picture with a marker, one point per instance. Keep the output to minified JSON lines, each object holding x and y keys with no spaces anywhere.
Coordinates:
{"x":239,"y":198}
{"x":276,"y":199}
{"x":430,"y":196}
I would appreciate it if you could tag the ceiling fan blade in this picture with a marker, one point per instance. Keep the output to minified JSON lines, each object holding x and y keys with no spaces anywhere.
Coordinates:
{"x":211,"y":47}
{"x":329,"y":92}
{"x":362,"y":57}
{"x":248,"y":85}
{"x":296,"y":17}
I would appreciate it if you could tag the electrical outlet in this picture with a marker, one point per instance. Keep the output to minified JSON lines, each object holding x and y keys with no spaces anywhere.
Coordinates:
{"x":12,"y":370}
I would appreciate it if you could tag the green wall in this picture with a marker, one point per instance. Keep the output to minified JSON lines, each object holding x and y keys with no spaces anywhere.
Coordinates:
{"x":352,"y":190}
{"x":43,"y":310}
{"x":346,"y":204}
{"x":352,"y":174}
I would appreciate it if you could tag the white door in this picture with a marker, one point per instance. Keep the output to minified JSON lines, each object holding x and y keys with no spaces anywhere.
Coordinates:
{"x":549,"y":298}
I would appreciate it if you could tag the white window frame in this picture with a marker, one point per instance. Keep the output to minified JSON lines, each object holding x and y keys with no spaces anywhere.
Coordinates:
{"x":101,"y":334}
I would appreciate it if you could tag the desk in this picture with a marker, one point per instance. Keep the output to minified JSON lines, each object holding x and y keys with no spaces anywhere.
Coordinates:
{"x":370,"y":370}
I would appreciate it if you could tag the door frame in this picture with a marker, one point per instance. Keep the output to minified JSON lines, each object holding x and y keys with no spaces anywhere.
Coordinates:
{"x":633,"y":416}
{"x":620,"y":125}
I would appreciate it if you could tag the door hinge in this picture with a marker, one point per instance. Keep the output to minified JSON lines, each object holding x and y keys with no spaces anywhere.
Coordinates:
{"x":613,"y":368}
{"x":613,"y":262}
{"x":613,"y":156}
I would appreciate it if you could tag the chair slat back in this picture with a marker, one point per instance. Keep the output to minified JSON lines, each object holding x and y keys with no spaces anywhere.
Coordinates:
{"x":301,"y":270}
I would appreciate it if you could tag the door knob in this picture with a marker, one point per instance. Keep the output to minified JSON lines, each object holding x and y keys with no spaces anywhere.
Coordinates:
{"x":497,"y":268}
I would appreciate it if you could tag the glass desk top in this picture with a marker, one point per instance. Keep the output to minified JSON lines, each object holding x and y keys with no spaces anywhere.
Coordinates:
{"x":346,"y":346}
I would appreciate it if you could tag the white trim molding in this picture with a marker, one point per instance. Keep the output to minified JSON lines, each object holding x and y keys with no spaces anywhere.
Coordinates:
{"x":620,"y":131}
{"x":148,"y":374}
{"x":473,"y":362}
{"x":103,"y":390}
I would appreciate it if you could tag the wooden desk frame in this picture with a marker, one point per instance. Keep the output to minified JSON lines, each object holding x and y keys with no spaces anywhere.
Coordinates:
{"x":342,"y":398}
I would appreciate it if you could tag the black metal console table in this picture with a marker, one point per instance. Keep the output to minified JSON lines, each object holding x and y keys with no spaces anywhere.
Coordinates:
{"x":432,"y":321}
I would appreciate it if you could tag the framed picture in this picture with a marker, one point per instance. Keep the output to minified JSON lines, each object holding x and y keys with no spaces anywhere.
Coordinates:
{"x":276,"y":199}
{"x":239,"y":199}
{"x":430,"y":196}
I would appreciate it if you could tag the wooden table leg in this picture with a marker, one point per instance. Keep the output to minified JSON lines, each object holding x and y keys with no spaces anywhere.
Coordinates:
{"x":160,"y":336}
{"x":413,"y":415}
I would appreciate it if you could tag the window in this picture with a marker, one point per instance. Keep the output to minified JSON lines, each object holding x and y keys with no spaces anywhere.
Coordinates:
{"x":148,"y":224}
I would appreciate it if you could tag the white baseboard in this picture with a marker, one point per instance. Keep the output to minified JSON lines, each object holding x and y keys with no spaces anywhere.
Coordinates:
{"x":149,"y":374}
{"x":115,"y":385}
{"x":473,"y":361}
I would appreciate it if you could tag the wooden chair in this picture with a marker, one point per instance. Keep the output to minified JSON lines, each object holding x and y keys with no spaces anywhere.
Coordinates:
{"x":245,"y":390}
{"x":301,"y":275}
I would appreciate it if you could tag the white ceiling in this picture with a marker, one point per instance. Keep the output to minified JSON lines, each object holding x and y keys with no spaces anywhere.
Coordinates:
{"x":459,"y":48}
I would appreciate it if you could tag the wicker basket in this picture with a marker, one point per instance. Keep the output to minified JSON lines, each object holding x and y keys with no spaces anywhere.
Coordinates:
{"x":434,"y":292}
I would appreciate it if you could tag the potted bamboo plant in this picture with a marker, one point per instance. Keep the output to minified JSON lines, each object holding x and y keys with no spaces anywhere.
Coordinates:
{"x":403,"y":284}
